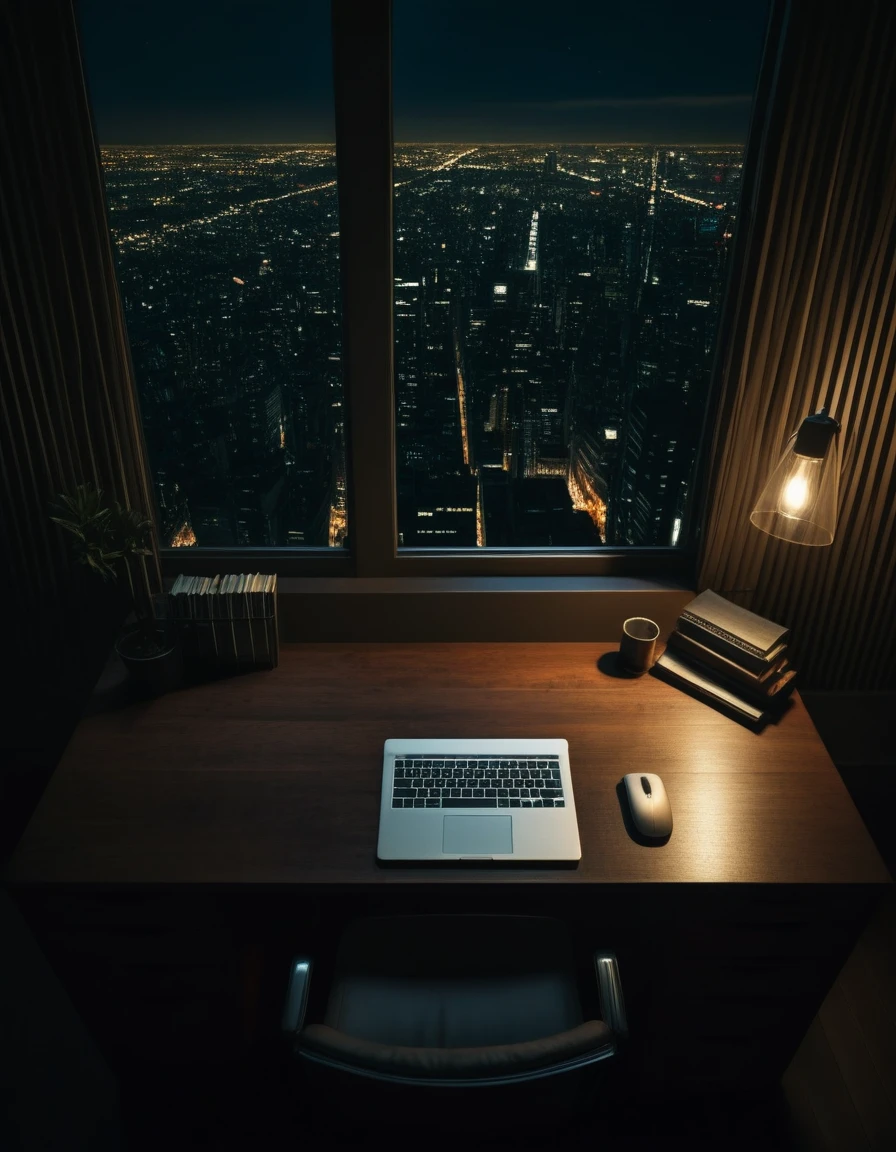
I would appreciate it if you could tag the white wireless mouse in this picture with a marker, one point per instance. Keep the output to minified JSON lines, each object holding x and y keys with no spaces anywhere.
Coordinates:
{"x":649,"y":804}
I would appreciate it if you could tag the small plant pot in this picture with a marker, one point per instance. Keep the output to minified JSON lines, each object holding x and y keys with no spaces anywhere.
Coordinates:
{"x":153,"y":660}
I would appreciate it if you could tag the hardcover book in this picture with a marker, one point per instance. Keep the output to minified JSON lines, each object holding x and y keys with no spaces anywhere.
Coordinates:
{"x":676,"y":672}
{"x":770,"y":693}
{"x":755,"y":664}
{"x":745,"y":630}
{"x":694,"y":650}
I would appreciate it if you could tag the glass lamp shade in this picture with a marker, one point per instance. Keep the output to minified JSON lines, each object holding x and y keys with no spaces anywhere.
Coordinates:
{"x":799,"y":502}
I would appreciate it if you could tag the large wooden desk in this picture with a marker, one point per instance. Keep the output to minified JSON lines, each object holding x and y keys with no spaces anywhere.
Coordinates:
{"x":274,"y":778}
{"x":269,"y":784}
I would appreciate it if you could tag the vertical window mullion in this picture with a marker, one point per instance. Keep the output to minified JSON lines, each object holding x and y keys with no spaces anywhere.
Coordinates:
{"x":363,"y":98}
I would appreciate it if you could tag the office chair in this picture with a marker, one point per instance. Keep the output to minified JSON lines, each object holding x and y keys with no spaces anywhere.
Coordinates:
{"x":425,"y":1012}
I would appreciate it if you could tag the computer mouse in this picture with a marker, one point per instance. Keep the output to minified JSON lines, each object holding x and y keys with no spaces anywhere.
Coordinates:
{"x":649,"y":804}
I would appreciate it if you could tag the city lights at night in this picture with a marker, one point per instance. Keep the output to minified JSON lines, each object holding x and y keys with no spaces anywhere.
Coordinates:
{"x":552,"y":350}
{"x":555,"y":304}
{"x":585,"y":328}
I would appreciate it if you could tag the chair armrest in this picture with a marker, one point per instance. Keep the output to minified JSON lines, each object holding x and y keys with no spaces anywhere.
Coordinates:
{"x":609,"y":988}
{"x":296,"y":995}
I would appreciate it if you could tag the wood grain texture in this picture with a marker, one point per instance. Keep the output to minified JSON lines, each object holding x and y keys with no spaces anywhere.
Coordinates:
{"x":274,"y":778}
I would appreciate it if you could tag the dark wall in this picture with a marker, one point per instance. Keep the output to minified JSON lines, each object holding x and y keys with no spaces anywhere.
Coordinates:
{"x":69,"y":413}
{"x":811,"y":322}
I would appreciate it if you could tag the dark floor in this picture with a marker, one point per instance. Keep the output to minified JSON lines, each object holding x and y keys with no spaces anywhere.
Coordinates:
{"x":841,"y":1084}
{"x":236,"y":1110}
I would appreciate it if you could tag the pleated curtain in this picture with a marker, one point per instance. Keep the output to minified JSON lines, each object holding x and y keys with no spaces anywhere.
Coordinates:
{"x":813,"y":323}
{"x":69,"y":410}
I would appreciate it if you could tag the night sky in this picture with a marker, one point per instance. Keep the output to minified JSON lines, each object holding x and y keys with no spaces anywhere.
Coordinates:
{"x":472,"y":71}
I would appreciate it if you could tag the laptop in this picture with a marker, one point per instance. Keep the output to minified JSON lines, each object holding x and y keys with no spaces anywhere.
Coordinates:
{"x":501,"y":800}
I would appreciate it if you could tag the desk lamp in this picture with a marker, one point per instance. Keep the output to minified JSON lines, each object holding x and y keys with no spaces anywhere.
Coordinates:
{"x":799,"y":502}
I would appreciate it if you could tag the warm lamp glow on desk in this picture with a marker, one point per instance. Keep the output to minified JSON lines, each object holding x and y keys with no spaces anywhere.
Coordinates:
{"x":799,"y":502}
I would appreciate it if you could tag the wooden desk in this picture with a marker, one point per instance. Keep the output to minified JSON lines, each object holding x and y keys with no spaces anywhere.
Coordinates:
{"x":274,"y":778}
{"x":261,"y":795}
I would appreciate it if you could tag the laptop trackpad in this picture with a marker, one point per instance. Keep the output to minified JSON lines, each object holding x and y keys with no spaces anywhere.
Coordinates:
{"x":477,"y":835}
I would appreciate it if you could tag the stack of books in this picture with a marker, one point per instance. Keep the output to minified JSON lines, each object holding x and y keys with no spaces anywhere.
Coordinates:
{"x":227,"y":620}
{"x":731,"y":658}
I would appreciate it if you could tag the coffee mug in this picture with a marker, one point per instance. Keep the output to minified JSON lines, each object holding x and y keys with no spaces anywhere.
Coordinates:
{"x":638,"y":644}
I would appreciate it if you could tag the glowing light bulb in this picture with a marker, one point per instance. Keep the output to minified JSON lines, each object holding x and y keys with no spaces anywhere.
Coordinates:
{"x":798,"y":487}
{"x":795,"y":495}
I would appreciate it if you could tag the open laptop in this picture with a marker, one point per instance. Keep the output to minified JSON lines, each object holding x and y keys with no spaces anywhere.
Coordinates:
{"x":502,"y":800}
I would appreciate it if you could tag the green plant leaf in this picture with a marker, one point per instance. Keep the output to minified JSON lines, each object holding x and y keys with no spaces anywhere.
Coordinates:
{"x":103,"y":536}
{"x":69,"y":526}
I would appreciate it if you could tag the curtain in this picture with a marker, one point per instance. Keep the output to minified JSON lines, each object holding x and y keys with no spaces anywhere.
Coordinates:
{"x":69,"y":410}
{"x":813,"y":324}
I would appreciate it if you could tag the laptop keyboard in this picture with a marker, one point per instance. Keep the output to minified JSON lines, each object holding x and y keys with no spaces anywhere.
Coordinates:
{"x":480,"y":782}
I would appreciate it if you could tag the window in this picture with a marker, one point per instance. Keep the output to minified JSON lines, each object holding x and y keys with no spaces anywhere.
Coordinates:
{"x":215,"y":122}
{"x":566,"y":187}
{"x":526,"y":353}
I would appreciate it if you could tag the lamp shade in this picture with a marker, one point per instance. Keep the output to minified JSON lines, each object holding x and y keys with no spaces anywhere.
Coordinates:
{"x":799,"y":502}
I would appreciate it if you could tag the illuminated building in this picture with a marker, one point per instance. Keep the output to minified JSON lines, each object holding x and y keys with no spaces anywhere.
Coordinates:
{"x":554,"y":317}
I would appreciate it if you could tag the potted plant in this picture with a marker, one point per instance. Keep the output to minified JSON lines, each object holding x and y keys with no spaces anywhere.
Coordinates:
{"x":111,"y":540}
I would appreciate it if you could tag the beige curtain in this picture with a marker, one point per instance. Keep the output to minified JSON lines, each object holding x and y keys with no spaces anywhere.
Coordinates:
{"x":814,"y":325}
{"x":67,"y":402}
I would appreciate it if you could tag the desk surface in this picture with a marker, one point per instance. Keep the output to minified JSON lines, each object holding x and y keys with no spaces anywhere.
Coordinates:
{"x":273,"y":778}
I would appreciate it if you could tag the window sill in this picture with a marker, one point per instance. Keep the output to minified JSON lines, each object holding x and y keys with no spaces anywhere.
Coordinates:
{"x":472,"y":608}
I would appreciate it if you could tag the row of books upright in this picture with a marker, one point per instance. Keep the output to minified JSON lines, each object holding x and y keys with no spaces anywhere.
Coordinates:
{"x":731,"y":658}
{"x":228,"y":620}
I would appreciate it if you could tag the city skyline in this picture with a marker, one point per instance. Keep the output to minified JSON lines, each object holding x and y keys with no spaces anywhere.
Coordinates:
{"x":458,"y":143}
{"x":555,"y":312}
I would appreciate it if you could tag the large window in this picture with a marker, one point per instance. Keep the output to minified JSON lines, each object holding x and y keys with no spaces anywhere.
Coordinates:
{"x":215,"y":122}
{"x":563,"y":194}
{"x":566,"y":187}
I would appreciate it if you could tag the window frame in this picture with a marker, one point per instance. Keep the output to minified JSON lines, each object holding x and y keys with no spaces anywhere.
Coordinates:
{"x":362,"y":82}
